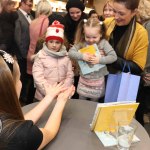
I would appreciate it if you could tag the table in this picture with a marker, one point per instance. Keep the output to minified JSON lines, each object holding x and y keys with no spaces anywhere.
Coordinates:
{"x":75,"y":133}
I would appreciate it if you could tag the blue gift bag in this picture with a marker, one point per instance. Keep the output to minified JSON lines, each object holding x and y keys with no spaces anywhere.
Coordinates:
{"x":121,"y":87}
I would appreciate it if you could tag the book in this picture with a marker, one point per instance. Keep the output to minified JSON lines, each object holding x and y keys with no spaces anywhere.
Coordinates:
{"x":85,"y":67}
{"x":107,"y":115}
{"x":89,"y":49}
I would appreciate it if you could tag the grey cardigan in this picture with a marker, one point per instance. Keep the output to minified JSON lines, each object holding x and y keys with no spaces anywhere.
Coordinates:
{"x":110,"y":57}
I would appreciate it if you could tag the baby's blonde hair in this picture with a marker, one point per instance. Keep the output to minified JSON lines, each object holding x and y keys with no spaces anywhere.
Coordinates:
{"x":80,"y":36}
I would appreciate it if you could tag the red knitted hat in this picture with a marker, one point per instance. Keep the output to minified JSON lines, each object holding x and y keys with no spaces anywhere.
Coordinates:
{"x":55,"y":32}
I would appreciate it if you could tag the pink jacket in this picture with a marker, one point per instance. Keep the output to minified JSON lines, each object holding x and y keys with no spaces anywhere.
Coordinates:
{"x":34,"y":34}
{"x":51,"y":67}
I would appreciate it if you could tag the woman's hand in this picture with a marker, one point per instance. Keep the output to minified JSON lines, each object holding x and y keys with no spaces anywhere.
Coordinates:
{"x":53,"y":90}
{"x":146,"y":77}
{"x":102,"y":52}
{"x":67,"y":94}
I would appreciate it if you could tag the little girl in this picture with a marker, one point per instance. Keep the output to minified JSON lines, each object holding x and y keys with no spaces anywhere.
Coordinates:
{"x":52,"y":65}
{"x":89,"y":32}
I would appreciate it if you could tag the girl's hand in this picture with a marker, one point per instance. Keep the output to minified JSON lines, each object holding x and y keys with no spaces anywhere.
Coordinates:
{"x":95,"y":60}
{"x":54,"y":90}
{"x":87,"y":57}
{"x":67,"y":94}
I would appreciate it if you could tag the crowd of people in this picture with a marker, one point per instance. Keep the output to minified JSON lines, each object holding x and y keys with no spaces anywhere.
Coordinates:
{"x":52,"y":73}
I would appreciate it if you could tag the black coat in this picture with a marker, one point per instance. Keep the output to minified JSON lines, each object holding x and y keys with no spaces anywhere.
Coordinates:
{"x":7,"y":28}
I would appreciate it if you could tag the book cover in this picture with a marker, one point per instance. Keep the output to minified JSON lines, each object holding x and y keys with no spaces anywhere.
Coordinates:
{"x":107,"y":115}
{"x":89,"y":49}
{"x":85,"y":67}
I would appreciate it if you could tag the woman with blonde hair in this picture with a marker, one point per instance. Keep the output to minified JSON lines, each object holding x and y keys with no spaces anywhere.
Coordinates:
{"x":18,"y":131}
{"x":37,"y":28}
{"x":108,"y":9}
{"x":143,"y":11}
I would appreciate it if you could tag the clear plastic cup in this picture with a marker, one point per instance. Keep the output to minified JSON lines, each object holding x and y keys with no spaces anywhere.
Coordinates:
{"x":125,"y":135}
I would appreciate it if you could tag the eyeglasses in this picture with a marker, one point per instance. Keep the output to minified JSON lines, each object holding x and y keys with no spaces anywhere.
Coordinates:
{"x":30,"y":5}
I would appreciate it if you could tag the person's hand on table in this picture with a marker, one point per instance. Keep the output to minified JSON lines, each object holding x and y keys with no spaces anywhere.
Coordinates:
{"x":53,"y":90}
{"x":67,"y":94}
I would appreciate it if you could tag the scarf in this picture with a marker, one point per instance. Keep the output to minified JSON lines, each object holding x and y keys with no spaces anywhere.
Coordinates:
{"x":125,"y":40}
{"x":61,"y":53}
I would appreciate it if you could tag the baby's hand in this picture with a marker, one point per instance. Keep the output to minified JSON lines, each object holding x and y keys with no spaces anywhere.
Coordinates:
{"x":87,"y":57}
{"x":95,"y":60}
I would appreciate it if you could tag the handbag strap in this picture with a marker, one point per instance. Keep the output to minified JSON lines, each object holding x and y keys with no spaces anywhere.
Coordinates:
{"x":41,"y":26}
{"x":125,"y":66}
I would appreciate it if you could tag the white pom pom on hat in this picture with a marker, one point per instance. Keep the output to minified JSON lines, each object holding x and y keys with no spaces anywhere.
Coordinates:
{"x":55,"y":32}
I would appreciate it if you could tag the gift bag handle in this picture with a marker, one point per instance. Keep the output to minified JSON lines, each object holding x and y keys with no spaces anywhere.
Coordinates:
{"x":125,"y":66}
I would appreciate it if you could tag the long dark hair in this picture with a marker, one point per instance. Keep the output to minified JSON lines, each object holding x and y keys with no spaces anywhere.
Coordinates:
{"x":129,"y":4}
{"x":9,"y":102}
{"x":8,"y":125}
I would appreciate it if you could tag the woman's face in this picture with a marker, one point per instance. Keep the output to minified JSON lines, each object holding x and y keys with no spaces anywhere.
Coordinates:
{"x":108,"y":11}
{"x":122,"y":15}
{"x":75,"y":13}
{"x":18,"y":82}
